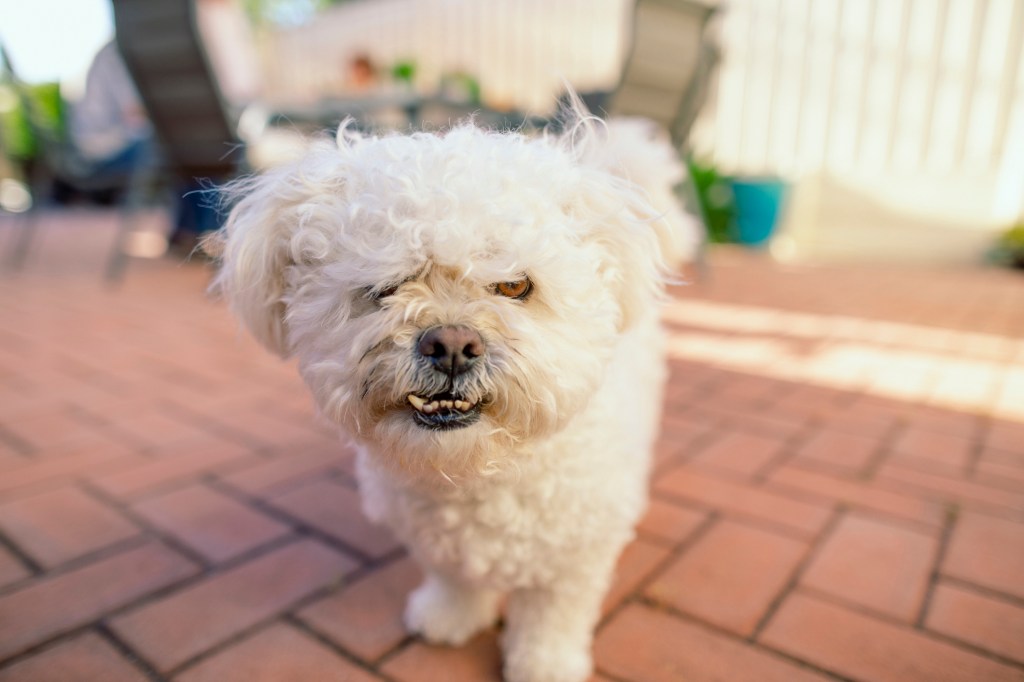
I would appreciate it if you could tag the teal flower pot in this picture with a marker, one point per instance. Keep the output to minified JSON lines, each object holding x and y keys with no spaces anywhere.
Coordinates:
{"x":758,"y":203}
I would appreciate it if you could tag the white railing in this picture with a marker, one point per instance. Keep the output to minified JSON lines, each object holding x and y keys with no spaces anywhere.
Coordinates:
{"x":519,"y":50}
{"x":916,"y":105}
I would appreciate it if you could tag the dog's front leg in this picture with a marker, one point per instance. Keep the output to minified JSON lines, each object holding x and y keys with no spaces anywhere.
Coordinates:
{"x":445,"y":611}
{"x":549,"y":631}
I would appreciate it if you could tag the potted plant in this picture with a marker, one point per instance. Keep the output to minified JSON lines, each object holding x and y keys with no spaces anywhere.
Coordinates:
{"x":1010,"y":246}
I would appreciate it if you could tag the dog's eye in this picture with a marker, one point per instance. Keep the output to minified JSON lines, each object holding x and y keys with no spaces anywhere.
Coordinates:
{"x":379,"y":294}
{"x":518,"y":290}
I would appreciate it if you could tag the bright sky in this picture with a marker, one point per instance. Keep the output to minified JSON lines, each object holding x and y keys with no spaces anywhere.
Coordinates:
{"x":52,"y":40}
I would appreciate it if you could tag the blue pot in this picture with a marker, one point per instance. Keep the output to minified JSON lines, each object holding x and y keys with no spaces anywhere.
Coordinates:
{"x":758,"y":203}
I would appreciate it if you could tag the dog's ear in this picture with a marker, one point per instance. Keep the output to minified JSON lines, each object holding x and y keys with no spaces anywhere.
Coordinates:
{"x":623,"y":173}
{"x":618,"y":219}
{"x":254,"y":248}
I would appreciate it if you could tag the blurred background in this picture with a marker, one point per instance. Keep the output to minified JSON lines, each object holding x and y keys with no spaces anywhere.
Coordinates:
{"x":846,"y":359}
{"x":823,"y":131}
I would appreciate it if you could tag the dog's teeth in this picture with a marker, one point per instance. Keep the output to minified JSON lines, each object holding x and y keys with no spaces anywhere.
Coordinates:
{"x":459,"y":405}
{"x":447,"y":403}
{"x":428,"y":408}
{"x":416,"y":401}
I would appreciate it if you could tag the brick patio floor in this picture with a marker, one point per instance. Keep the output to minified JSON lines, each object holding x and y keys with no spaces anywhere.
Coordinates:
{"x":839,"y":490}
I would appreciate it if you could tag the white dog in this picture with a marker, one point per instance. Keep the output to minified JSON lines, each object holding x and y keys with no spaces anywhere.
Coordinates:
{"x":479,"y":312}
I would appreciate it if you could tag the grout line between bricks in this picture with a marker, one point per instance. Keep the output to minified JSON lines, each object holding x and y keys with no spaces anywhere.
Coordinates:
{"x":884,"y":450}
{"x":984,"y":591}
{"x":813,"y":550}
{"x":25,"y":559}
{"x":729,"y":634}
{"x":913,"y":627}
{"x":948,"y":526}
{"x":79,"y":562}
{"x":41,"y":647}
{"x":127,"y":652}
{"x":146,"y":526}
{"x":678,"y":550}
{"x":300,"y":624}
{"x":217,"y":428}
{"x":746,"y":519}
{"x":302,"y":527}
{"x":281,"y":614}
{"x":978,"y":445}
{"x":19,"y":445}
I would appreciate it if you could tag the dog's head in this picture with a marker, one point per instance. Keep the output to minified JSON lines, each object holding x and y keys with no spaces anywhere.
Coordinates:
{"x":447,"y":295}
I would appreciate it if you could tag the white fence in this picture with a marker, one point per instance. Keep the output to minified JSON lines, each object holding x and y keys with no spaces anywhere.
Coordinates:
{"x":519,"y":50}
{"x":892,"y":115}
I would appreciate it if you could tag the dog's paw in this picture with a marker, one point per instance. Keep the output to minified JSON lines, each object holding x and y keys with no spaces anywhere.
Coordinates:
{"x":446,"y":615}
{"x":549,"y":664}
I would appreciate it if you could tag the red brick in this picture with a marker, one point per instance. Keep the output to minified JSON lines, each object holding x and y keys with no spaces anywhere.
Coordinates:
{"x":335,"y":510}
{"x":863,"y":418}
{"x":214,"y":525}
{"x":58,"y":469}
{"x":857,"y":494}
{"x":1004,"y":435}
{"x":809,"y":401}
{"x":263,"y":429}
{"x":90,"y":442}
{"x":987,"y":551}
{"x":742,"y":454}
{"x":745,"y":501}
{"x":752,"y":388}
{"x":1001,"y":456}
{"x":477,"y":661}
{"x":987,"y":623}
{"x":50,"y":606}
{"x":846,"y":452}
{"x":279,"y":653}
{"x":154,"y":473}
{"x":171,"y":630}
{"x":1006,"y":476}
{"x":730,"y":576}
{"x":55,"y":428}
{"x":86,"y":657}
{"x":365,"y":618}
{"x":772,"y":423}
{"x":678,"y":434}
{"x":864,"y":648}
{"x":876,"y":565}
{"x":11,"y":570}
{"x":950,"y":489}
{"x":636,"y":563}
{"x":668,"y":522}
{"x":159,"y":427}
{"x":58,"y":526}
{"x":275,"y":475}
{"x":944,"y":451}
{"x":641,"y":643}
{"x":963,"y":425}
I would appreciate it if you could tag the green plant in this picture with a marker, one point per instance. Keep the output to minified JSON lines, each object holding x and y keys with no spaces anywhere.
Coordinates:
{"x":1010,"y":246}
{"x":404,"y":71}
{"x":715,"y":198}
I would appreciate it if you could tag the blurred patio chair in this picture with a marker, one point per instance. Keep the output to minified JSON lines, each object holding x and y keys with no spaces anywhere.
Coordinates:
{"x":163,"y":51}
{"x":667,"y":77}
{"x":56,"y":158}
{"x":668,"y":70}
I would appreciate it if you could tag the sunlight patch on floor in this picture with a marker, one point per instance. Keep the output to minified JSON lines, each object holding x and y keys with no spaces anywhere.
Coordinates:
{"x":966,"y":371}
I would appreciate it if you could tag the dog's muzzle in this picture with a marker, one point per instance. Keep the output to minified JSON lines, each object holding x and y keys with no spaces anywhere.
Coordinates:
{"x":452,"y":351}
{"x":443,"y":411}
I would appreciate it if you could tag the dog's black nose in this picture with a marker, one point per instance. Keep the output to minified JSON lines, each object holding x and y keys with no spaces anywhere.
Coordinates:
{"x":452,"y":350}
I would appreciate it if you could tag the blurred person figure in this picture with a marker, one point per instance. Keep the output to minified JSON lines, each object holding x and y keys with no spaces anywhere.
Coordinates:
{"x":109,"y":126}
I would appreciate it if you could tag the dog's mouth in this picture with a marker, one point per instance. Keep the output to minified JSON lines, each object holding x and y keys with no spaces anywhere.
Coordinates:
{"x":443,"y":411}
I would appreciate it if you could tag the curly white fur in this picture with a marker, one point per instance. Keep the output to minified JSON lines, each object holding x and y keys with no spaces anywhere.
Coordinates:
{"x":538,"y":497}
